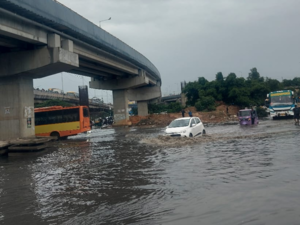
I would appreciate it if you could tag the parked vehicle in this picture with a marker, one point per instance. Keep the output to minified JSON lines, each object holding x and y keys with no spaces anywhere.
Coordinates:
{"x":185,"y":127}
{"x":248,"y":117}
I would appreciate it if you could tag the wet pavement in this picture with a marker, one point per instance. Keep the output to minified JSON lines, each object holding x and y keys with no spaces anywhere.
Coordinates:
{"x":232,"y":175}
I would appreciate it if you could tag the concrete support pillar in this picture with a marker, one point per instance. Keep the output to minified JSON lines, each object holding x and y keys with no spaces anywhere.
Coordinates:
{"x":183,"y":99}
{"x":121,"y":114}
{"x":16,"y":108}
{"x":142,"y":108}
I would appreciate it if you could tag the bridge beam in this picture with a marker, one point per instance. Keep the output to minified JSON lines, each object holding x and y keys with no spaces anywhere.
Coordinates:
{"x":17,"y":108}
{"x":124,"y":83}
{"x":37,"y":63}
{"x":144,"y":93}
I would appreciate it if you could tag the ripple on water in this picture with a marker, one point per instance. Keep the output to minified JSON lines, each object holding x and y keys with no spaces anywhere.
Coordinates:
{"x":233,"y":175}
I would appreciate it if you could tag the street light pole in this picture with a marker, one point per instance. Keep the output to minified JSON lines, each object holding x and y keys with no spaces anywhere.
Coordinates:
{"x":103,"y":20}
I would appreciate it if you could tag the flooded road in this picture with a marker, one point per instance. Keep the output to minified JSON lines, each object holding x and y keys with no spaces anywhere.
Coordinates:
{"x":233,"y":175}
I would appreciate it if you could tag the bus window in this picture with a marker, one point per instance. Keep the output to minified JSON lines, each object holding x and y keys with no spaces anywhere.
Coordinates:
{"x":71,"y":115}
{"x":41,"y":118}
{"x":55,"y":117}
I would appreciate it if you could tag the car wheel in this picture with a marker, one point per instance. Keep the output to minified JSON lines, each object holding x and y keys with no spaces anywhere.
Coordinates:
{"x":191,"y":135}
{"x":203,"y":132}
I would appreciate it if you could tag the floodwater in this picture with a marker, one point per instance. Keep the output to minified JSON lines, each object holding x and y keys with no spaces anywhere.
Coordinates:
{"x":233,"y":175}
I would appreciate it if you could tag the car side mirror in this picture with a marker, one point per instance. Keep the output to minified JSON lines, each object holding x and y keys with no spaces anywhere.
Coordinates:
{"x":167,"y":126}
{"x":193,"y":124}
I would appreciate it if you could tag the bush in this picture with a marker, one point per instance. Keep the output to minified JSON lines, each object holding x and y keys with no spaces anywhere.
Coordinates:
{"x":173,"y":107}
{"x":157,"y":108}
{"x":206,"y":103}
{"x":199,"y":106}
{"x":261,"y":112}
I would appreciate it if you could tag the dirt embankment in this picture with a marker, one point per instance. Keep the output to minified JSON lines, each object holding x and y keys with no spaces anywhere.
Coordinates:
{"x":218,"y":116}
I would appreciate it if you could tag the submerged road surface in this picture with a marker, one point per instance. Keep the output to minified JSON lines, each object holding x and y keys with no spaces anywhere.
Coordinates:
{"x":233,"y":175}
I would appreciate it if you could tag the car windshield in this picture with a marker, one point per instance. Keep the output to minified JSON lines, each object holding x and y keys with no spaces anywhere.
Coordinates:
{"x":180,"y":123}
{"x":245,"y":113}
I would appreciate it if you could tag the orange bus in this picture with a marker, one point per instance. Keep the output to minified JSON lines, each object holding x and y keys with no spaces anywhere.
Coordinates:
{"x":61,"y":121}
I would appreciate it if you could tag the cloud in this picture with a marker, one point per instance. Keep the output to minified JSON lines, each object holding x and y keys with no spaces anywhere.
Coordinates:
{"x":192,"y":38}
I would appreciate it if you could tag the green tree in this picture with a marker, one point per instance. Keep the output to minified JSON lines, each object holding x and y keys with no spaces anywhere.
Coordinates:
{"x":191,"y":91}
{"x":202,"y":81}
{"x":206,"y":103}
{"x":296,"y":81}
{"x":287,"y":83}
{"x":273,"y":84}
{"x":258,"y":93}
{"x":254,"y":75}
{"x":230,"y":80}
{"x":219,"y":77}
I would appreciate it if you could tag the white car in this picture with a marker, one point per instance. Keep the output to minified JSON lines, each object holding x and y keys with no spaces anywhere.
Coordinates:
{"x":185,"y":127}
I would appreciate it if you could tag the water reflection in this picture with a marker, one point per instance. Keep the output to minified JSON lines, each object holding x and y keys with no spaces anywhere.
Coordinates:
{"x":97,"y":178}
{"x":234,"y":175}
{"x":17,"y":196}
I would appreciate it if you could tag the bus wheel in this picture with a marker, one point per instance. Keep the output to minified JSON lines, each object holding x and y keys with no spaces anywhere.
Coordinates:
{"x":55,"y":134}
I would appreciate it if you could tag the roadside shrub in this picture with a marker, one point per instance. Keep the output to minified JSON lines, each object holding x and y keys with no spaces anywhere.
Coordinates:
{"x":173,"y":107}
{"x":199,"y":106}
{"x":157,"y":108}
{"x":211,"y":108}
{"x":261,"y":112}
{"x":206,"y":103}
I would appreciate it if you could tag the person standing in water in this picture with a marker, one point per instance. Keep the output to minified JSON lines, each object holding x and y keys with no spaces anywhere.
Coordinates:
{"x":296,"y":114}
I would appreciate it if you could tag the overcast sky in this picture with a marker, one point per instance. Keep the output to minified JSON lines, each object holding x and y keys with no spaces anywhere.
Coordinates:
{"x":187,"y":39}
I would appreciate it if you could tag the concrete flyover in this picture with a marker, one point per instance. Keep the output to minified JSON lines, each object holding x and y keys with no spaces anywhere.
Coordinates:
{"x":42,"y":96}
{"x":41,"y":38}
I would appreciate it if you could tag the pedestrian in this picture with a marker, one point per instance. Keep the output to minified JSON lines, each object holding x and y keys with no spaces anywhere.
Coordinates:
{"x":253,"y":114}
{"x":182,"y":112}
{"x":296,"y":111}
{"x":190,"y":113}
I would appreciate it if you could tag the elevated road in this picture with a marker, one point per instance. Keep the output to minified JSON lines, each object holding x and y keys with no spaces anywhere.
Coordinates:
{"x":41,"y":96}
{"x":41,"y":38}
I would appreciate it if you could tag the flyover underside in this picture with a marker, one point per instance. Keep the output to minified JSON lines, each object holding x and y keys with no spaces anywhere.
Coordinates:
{"x":38,"y":40}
